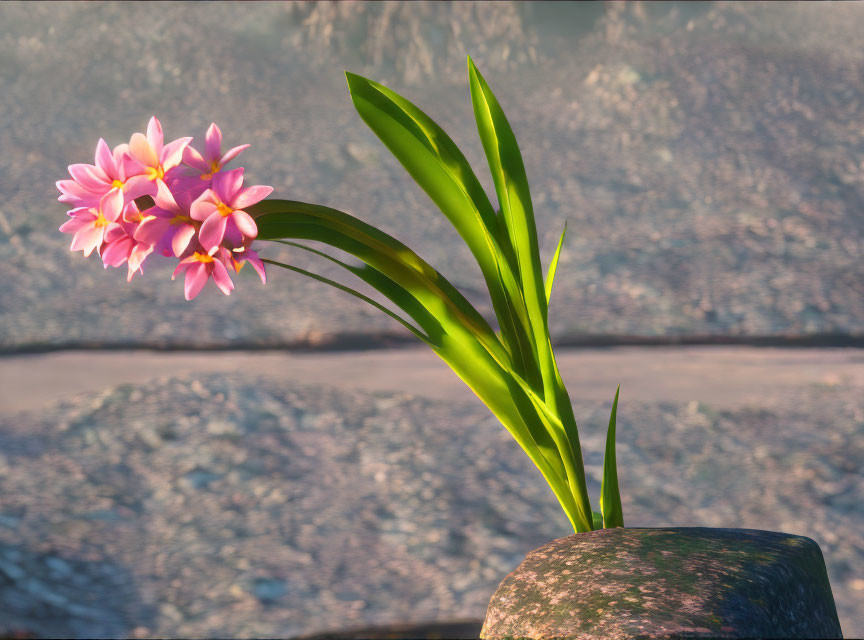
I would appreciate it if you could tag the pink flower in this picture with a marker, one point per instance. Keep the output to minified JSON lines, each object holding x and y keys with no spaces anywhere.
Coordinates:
{"x":90,"y":224}
{"x":239,"y":258}
{"x":223,"y":204}
{"x":198,"y":178}
{"x":91,"y":182}
{"x":199,"y":266}
{"x":121,"y":245}
{"x":152,"y":158}
{"x":168,"y":225}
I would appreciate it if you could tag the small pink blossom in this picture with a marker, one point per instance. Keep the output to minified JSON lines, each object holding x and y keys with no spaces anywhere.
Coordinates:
{"x":90,"y":182}
{"x":90,"y":224}
{"x":220,"y":209}
{"x":122,"y":247}
{"x":202,"y":167}
{"x":151,"y":158}
{"x":239,"y":258}
{"x":199,"y":266}
{"x":168,"y":226}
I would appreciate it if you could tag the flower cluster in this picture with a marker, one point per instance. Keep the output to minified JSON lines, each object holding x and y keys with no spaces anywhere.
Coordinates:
{"x":197,"y":213}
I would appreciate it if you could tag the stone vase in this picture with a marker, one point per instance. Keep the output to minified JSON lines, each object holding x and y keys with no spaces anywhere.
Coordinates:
{"x":691,"y":582}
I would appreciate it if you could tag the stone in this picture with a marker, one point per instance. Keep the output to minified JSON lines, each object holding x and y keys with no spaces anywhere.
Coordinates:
{"x":696,"y":582}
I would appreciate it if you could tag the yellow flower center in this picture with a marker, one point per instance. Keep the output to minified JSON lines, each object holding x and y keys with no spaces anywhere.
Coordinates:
{"x":155,"y":172}
{"x":202,"y":257}
{"x":224,"y":209}
{"x":116,"y":185}
{"x":180,"y":219}
{"x":100,"y":220}
{"x":214,"y":168}
{"x":135,"y":217}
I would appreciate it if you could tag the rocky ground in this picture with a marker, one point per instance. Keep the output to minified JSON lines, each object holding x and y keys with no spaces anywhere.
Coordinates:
{"x":706,"y":157}
{"x":212,"y":506}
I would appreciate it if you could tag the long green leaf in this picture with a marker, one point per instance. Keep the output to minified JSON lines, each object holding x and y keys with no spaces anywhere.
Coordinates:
{"x":357,"y":294}
{"x":280,"y":219}
{"x":554,"y":265}
{"x":487,"y":379}
{"x":403,"y":299}
{"x":463,"y":327}
{"x":610,"y":498}
{"x":517,"y":213}
{"x":511,"y":184}
{"x":441,"y":170}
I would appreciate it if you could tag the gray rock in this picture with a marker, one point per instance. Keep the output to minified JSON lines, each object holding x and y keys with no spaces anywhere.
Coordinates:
{"x":702,"y":582}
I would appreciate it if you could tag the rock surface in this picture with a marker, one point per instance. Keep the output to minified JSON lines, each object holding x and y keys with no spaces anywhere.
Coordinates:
{"x":225,"y":506}
{"x":693,"y":581}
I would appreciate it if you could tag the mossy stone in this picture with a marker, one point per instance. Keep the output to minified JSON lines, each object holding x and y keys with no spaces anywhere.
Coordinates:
{"x":692,"y":582}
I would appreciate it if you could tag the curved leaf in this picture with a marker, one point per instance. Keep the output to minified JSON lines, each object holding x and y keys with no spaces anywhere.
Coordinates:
{"x":610,"y":498}
{"x":441,"y":170}
{"x":554,"y":265}
{"x":463,"y":328}
{"x":357,"y":294}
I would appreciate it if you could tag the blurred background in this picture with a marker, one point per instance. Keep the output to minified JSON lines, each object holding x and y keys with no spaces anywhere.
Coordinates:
{"x":707,"y":158}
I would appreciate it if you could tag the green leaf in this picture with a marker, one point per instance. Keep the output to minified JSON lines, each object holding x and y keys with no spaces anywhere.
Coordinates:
{"x":554,"y":265}
{"x":403,"y":299}
{"x":517,"y":215}
{"x":436,"y":164}
{"x":464,"y":340}
{"x":357,"y":294}
{"x":597,"y":520}
{"x":514,"y":196}
{"x":280,"y":219}
{"x":610,"y":499}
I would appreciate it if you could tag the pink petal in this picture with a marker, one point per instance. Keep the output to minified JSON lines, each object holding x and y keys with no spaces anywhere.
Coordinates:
{"x":257,"y":264}
{"x":121,"y":151}
{"x":113,"y":233}
{"x":203,"y":206}
{"x":142,"y":151}
{"x":194,"y":159}
{"x":154,"y":135}
{"x":212,"y":231}
{"x":196,"y":278}
{"x":221,"y":277}
{"x":172,"y":154}
{"x":183,"y":266}
{"x":226,"y":184}
{"x":117,"y":252}
{"x":151,"y":230}
{"x":233,"y":153}
{"x":182,"y":237}
{"x":136,"y":259}
{"x":163,"y":198}
{"x":131,"y":166}
{"x":89,"y":177}
{"x":72,"y":226}
{"x":233,"y":239}
{"x":112,"y":205}
{"x":213,"y":141}
{"x":138,"y":186}
{"x":87,"y":239}
{"x":72,"y":188}
{"x":105,"y":160}
{"x":245,"y":223}
{"x":249,"y":196}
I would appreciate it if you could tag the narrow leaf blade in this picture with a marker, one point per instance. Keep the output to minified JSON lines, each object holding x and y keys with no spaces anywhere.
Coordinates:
{"x":610,"y":498}
{"x":554,"y":265}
